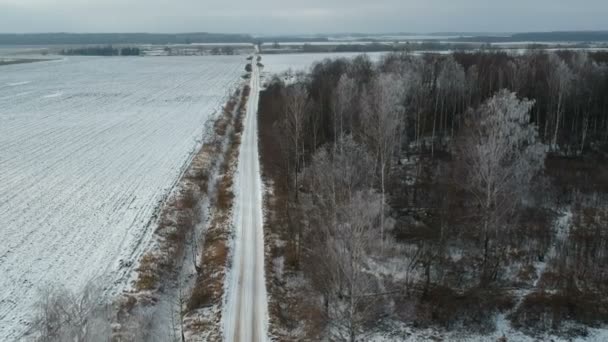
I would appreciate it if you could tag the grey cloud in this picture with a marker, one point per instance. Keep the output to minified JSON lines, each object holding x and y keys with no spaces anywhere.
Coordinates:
{"x":312,"y":16}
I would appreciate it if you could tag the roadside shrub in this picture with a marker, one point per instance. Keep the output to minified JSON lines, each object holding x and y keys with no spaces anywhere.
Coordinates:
{"x":221,"y":126}
{"x":147,"y":273}
{"x":201,"y":297}
{"x":201,"y":177}
{"x":208,"y":289}
{"x":245,"y":94}
{"x":187,"y":200}
{"x":225,"y":195}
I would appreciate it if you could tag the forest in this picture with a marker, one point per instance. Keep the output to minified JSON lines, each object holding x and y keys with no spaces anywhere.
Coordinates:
{"x":102,"y":51}
{"x":442,"y":191}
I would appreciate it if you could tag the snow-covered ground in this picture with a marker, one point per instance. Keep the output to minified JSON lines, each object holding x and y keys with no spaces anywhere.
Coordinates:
{"x":399,"y":332}
{"x":246,"y":311}
{"x":89,"y":147}
{"x":275,"y":64}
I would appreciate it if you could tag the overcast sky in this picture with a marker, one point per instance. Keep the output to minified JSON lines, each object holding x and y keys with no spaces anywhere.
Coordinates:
{"x":302,"y":17}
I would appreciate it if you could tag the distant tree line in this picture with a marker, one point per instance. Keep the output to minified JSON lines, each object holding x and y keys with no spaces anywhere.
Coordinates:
{"x":557,"y":36}
{"x":102,"y":51}
{"x":427,"y":46}
{"x":130,"y":51}
{"x":120,"y":38}
{"x":374,"y":47}
{"x":292,"y":39}
{"x":203,"y":37}
{"x":224,"y":50}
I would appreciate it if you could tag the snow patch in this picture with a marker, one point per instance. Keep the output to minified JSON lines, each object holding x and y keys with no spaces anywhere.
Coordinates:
{"x":14,"y":84}
{"x":53,"y":95}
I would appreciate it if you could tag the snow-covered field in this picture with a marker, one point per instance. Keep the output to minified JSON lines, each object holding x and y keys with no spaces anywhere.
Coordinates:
{"x":89,"y":147}
{"x":275,"y":64}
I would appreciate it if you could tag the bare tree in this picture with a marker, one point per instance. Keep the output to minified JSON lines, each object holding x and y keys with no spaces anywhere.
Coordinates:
{"x":587,"y":78}
{"x":66,"y":316}
{"x":343,"y":228}
{"x":350,"y":246}
{"x":342,"y":106}
{"x":419,"y":84}
{"x":500,"y":153}
{"x":450,"y":90}
{"x":296,"y":102}
{"x":382,"y":120}
{"x":139,"y":326}
{"x":560,"y":81}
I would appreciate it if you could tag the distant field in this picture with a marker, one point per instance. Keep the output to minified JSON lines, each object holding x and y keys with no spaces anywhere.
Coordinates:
{"x":89,"y":147}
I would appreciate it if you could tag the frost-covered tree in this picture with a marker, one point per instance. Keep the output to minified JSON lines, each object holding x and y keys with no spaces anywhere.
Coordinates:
{"x":350,"y":245}
{"x":382,"y":115}
{"x":499,"y":153}
{"x":65,"y":316}
{"x":343,"y":215}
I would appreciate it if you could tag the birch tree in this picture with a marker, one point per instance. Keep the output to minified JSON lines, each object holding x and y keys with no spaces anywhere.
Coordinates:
{"x":344,"y":97}
{"x":354,"y":236}
{"x":344,"y":225}
{"x":560,"y":81}
{"x":382,"y":111}
{"x":500,"y":153}
{"x":449,"y":91}
{"x":296,"y":102}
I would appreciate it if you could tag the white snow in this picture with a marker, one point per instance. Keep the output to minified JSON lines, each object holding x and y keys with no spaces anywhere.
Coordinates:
{"x":81,"y":175}
{"x":50,"y":96}
{"x":280,"y":63}
{"x":17,"y":83}
{"x":246,"y":310}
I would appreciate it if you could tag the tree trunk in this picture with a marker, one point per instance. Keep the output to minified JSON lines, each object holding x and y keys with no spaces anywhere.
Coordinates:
{"x":382,"y":209}
{"x":557,"y":120}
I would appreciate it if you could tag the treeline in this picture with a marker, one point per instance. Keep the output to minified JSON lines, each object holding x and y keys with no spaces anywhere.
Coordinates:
{"x":384,"y":47}
{"x":291,"y":39}
{"x":102,"y":51}
{"x":373,"y":47}
{"x":438,"y":190}
{"x":120,"y":38}
{"x":223,"y":50}
{"x":557,"y":36}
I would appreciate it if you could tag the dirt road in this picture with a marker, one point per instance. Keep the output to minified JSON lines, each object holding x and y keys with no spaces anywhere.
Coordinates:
{"x":246,"y":311}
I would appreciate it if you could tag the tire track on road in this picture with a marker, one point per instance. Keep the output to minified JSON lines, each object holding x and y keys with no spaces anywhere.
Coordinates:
{"x":246,"y":311}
